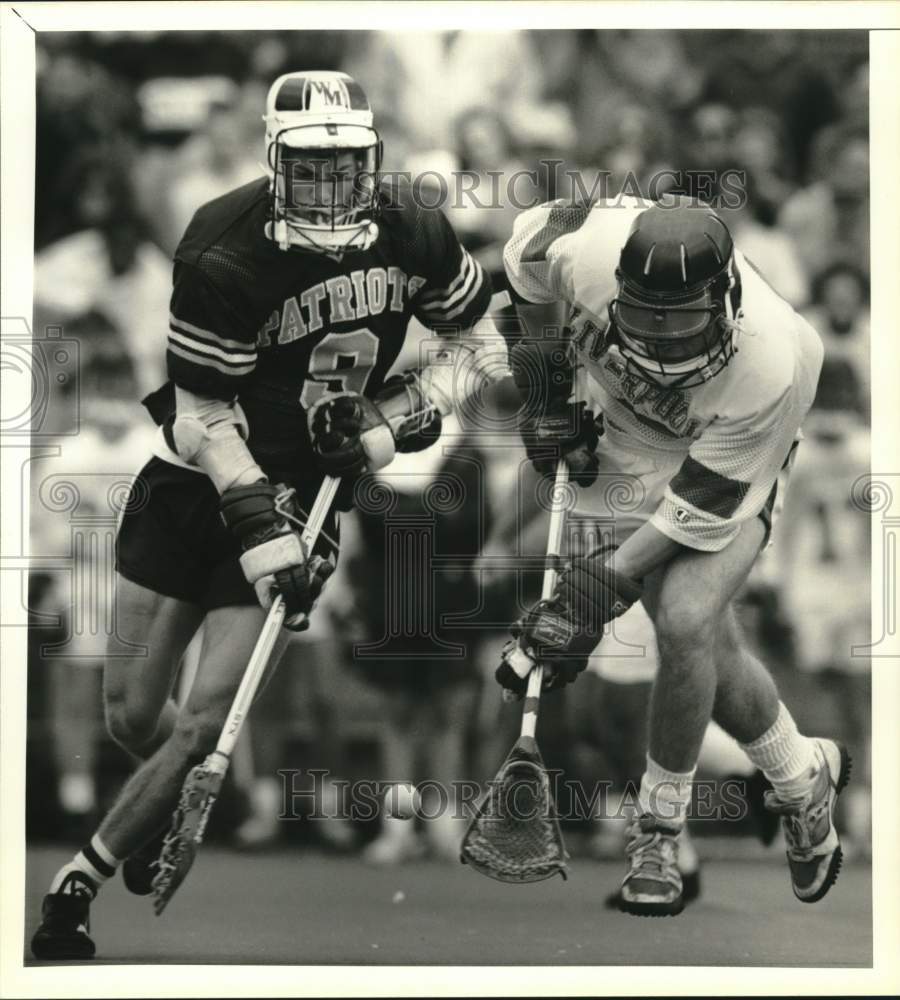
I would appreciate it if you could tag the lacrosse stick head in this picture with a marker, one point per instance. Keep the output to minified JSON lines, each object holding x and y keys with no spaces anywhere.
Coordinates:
{"x":198,"y":794}
{"x":514,"y":835}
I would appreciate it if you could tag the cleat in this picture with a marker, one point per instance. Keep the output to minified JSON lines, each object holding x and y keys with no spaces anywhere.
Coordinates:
{"x":139,"y":870}
{"x":653,"y":886}
{"x":690,"y":890}
{"x":690,"y":880}
{"x":813,"y":847}
{"x":63,"y":934}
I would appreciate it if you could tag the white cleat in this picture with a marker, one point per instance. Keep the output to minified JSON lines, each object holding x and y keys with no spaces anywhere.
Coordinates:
{"x":813,"y":847}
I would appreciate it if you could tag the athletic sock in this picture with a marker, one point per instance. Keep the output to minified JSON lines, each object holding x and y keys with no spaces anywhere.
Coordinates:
{"x":666,"y":794}
{"x":787,"y":758}
{"x":95,"y":862}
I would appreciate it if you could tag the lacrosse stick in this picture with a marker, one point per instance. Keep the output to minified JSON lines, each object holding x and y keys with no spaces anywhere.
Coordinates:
{"x":202,"y":785}
{"x":514,"y":835}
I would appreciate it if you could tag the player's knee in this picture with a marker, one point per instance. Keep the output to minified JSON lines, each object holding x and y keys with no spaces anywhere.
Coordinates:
{"x":685,"y":629}
{"x":129,"y":723}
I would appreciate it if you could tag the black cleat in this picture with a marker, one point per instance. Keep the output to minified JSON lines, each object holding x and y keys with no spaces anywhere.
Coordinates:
{"x":139,"y":870}
{"x":65,"y":922}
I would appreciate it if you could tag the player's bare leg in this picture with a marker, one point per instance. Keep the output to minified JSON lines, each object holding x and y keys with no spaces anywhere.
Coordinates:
{"x":148,"y":799}
{"x":136,"y":690}
{"x":686,"y":601}
{"x":704,"y":669}
{"x":140,"y":714}
{"x":689,"y":601}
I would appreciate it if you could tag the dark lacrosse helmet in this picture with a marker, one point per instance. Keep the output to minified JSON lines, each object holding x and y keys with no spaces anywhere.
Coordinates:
{"x":678,"y":294}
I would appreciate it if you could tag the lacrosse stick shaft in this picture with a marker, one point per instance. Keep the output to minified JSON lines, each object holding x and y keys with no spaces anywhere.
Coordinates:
{"x":554,"y":547}
{"x":259,"y":660}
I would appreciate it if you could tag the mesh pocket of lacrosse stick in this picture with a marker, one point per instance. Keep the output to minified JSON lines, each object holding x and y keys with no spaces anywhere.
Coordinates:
{"x":514,"y":835}
{"x":198,"y":795}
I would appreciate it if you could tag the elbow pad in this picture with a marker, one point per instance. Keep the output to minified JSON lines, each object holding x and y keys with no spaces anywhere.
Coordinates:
{"x":211,"y":434}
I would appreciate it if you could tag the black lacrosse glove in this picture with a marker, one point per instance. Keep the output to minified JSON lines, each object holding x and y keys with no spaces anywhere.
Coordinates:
{"x":350,"y":436}
{"x":562,"y":632}
{"x":267,"y":523}
{"x":550,"y":425}
{"x":568,"y":431}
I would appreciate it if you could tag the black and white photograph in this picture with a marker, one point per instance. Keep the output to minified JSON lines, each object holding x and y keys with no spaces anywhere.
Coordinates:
{"x":449,"y":518}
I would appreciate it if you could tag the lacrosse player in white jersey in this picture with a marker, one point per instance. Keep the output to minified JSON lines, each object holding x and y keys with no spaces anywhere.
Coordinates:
{"x":676,"y":391}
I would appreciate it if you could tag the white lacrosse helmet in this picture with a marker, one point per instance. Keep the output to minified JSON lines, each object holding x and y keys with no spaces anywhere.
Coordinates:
{"x":323,"y":155}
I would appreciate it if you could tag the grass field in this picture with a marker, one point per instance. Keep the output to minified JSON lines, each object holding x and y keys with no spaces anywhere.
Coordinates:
{"x":303,"y":908}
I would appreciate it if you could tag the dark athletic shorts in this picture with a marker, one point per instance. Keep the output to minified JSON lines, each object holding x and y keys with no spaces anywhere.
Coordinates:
{"x":172,"y":540}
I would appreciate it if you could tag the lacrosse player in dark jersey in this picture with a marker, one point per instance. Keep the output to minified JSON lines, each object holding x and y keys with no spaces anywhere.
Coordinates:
{"x":291,"y":301}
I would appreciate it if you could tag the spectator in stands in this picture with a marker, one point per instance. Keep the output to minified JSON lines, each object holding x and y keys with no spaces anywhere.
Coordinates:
{"x":780,"y":70}
{"x":760,"y":150}
{"x":485,"y":145}
{"x":108,"y":265}
{"x":75,"y":486}
{"x":83,"y":113}
{"x":213,"y":161}
{"x":428,"y":78}
{"x":829,"y":219}
{"x":770,"y":249}
{"x":840,"y":314}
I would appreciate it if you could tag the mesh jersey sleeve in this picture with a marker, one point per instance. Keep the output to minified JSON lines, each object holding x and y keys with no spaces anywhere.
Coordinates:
{"x":729,"y":474}
{"x":537,"y":266}
{"x":457,"y":292}
{"x":211,"y":348}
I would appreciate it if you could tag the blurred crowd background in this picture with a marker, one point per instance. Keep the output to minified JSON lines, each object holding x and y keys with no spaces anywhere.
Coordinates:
{"x":137,"y":130}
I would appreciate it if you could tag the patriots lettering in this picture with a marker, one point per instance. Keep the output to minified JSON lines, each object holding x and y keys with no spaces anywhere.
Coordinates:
{"x":310,"y":300}
{"x":340,"y":293}
{"x":346,"y":299}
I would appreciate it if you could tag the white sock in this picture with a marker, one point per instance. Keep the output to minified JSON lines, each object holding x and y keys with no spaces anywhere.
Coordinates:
{"x":787,"y":758}
{"x":95,"y":861}
{"x":666,"y":794}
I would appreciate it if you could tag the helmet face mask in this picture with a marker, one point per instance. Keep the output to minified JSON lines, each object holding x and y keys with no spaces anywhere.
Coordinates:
{"x":673,"y":316}
{"x":686,"y":339}
{"x":323,"y":155}
{"x":324,"y":199}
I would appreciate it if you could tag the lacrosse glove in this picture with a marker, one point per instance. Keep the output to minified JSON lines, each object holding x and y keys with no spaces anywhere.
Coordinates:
{"x":562,"y":632}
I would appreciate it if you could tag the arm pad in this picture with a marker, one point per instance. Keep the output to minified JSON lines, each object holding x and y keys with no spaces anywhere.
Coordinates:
{"x":211,"y":434}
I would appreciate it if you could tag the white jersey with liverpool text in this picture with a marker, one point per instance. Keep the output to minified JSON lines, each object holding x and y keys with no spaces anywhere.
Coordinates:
{"x":702,"y":460}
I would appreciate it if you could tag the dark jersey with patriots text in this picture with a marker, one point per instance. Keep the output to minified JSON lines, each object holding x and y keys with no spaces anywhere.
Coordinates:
{"x":276,"y":330}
